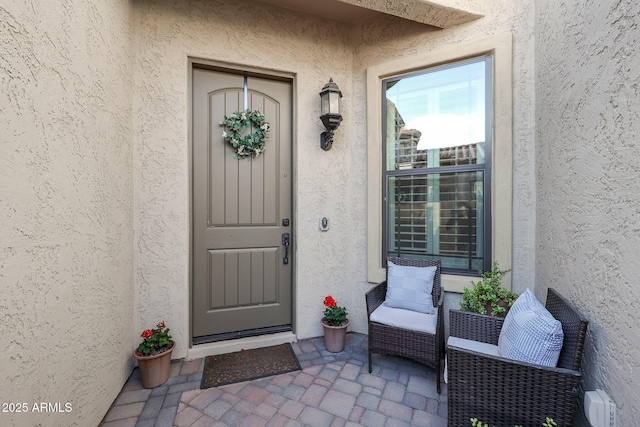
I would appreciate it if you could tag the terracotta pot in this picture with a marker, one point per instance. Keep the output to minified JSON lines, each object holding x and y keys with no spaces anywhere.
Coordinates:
{"x":334,"y":336}
{"x":154,"y":370}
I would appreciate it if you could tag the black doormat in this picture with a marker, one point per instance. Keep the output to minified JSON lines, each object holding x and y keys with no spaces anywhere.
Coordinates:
{"x":248,"y":365}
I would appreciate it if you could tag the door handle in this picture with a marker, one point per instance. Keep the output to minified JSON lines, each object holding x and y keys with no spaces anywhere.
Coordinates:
{"x":286,"y":241}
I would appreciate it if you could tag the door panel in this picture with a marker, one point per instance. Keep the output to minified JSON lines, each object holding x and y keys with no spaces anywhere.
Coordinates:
{"x":239,"y":279}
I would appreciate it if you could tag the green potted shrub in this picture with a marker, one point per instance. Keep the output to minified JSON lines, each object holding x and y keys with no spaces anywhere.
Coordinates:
{"x":487,"y":295}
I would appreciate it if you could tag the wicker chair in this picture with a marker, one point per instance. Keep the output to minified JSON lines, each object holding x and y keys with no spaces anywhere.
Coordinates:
{"x":504,"y":392}
{"x":421,"y":347}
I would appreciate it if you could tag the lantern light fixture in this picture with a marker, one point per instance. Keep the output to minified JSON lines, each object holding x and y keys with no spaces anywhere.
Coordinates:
{"x":329,"y":113}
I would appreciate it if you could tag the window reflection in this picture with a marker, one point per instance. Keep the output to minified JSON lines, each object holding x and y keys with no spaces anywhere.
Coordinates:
{"x":436,"y":120}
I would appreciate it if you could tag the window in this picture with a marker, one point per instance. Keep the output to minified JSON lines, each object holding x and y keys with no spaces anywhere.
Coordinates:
{"x":463,"y":173}
{"x":436,"y":165}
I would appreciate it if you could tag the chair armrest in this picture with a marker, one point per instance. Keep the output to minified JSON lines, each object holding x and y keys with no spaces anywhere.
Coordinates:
{"x":375,"y":296}
{"x":473,"y":326}
{"x":516,"y":365}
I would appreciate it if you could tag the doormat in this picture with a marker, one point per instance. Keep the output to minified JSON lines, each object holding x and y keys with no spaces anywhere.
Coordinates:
{"x":248,"y":365}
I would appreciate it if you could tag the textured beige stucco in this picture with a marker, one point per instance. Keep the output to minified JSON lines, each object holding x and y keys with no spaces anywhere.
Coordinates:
{"x":94,"y":174}
{"x":500,"y":47}
{"x":66,"y":208}
{"x":328,"y":183}
{"x":332,"y":183}
{"x":436,"y":13}
{"x":392,"y":40}
{"x":588,"y":234}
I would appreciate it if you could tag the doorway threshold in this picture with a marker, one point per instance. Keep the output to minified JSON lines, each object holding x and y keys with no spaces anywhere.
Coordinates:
{"x":241,"y":334}
{"x":247,"y":343}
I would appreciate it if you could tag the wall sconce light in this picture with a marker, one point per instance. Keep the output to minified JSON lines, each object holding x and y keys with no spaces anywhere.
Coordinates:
{"x":329,"y":113}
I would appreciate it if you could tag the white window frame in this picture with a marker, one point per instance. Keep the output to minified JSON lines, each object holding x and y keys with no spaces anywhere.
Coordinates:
{"x":500,"y":47}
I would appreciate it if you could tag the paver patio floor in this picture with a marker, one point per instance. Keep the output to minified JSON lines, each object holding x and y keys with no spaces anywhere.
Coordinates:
{"x":332,"y":389}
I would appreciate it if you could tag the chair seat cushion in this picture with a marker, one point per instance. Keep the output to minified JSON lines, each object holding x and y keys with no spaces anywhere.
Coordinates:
{"x":530,"y":333}
{"x":410,"y":288}
{"x":405,"y":319}
{"x":477,"y":346}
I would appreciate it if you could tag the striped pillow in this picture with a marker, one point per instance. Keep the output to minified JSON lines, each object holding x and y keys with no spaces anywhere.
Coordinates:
{"x":530,"y":333}
{"x":410,"y":288}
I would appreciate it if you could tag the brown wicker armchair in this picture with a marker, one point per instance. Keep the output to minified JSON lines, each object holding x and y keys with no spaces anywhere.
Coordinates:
{"x":421,"y":347}
{"x":505,"y":392}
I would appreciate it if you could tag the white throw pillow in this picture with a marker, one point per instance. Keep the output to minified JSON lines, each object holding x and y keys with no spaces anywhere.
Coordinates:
{"x":410,"y":287}
{"x":530,"y":333}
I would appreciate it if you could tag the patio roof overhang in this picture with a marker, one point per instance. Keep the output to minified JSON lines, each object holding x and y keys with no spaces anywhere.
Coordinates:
{"x":437,"y":13}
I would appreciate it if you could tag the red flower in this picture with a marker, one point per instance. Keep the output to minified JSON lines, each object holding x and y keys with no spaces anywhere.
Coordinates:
{"x":161,"y":325}
{"x":330,"y":302}
{"x":146,"y":334}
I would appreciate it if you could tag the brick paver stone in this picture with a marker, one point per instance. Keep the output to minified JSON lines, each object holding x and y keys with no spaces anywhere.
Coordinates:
{"x":432,"y":406}
{"x":332,"y":390}
{"x":294,"y":391}
{"x":395,"y":410}
{"x":356,"y":414}
{"x":152,"y":407}
{"x":124,"y":411}
{"x":128,"y":422}
{"x":350,"y":371}
{"x":186,"y":417}
{"x":166,"y":417}
{"x":244,"y":407}
{"x":282,"y":381}
{"x":368,"y":401}
{"x":369,"y":380}
{"x":348,"y":387}
{"x":253,"y":420}
{"x":192,"y":366}
{"x":372,"y":419}
{"x":328,"y":374}
{"x":275,"y":400}
{"x":303,"y":379}
{"x":416,"y":401}
{"x":422,"y":386}
{"x":132,"y":397}
{"x":204,"y":421}
{"x":315,"y":417}
{"x":265,"y":411}
{"x":394,"y":392}
{"x":314,"y":395}
{"x":232,"y":418}
{"x":217,"y":409}
{"x":204,"y":399}
{"x":338,"y":403}
{"x":291,"y":409}
{"x":278,"y":420}
{"x":392,"y":422}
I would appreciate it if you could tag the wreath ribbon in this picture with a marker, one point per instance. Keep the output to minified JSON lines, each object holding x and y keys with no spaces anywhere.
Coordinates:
{"x":250,"y":143}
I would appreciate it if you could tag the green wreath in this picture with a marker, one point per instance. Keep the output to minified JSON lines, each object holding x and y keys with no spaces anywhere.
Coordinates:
{"x":251,"y":143}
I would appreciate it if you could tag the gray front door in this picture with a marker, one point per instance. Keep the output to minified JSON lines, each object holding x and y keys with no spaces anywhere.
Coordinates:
{"x":242,"y":272}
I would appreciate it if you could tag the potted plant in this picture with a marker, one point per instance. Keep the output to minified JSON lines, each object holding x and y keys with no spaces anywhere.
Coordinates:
{"x":488,"y":296}
{"x":154,"y":355}
{"x":335,"y":325}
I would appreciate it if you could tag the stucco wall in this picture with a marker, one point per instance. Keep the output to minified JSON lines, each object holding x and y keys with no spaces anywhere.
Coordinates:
{"x":66,"y":246}
{"x":588,"y":234}
{"x":385,"y":39}
{"x":329,"y":183}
